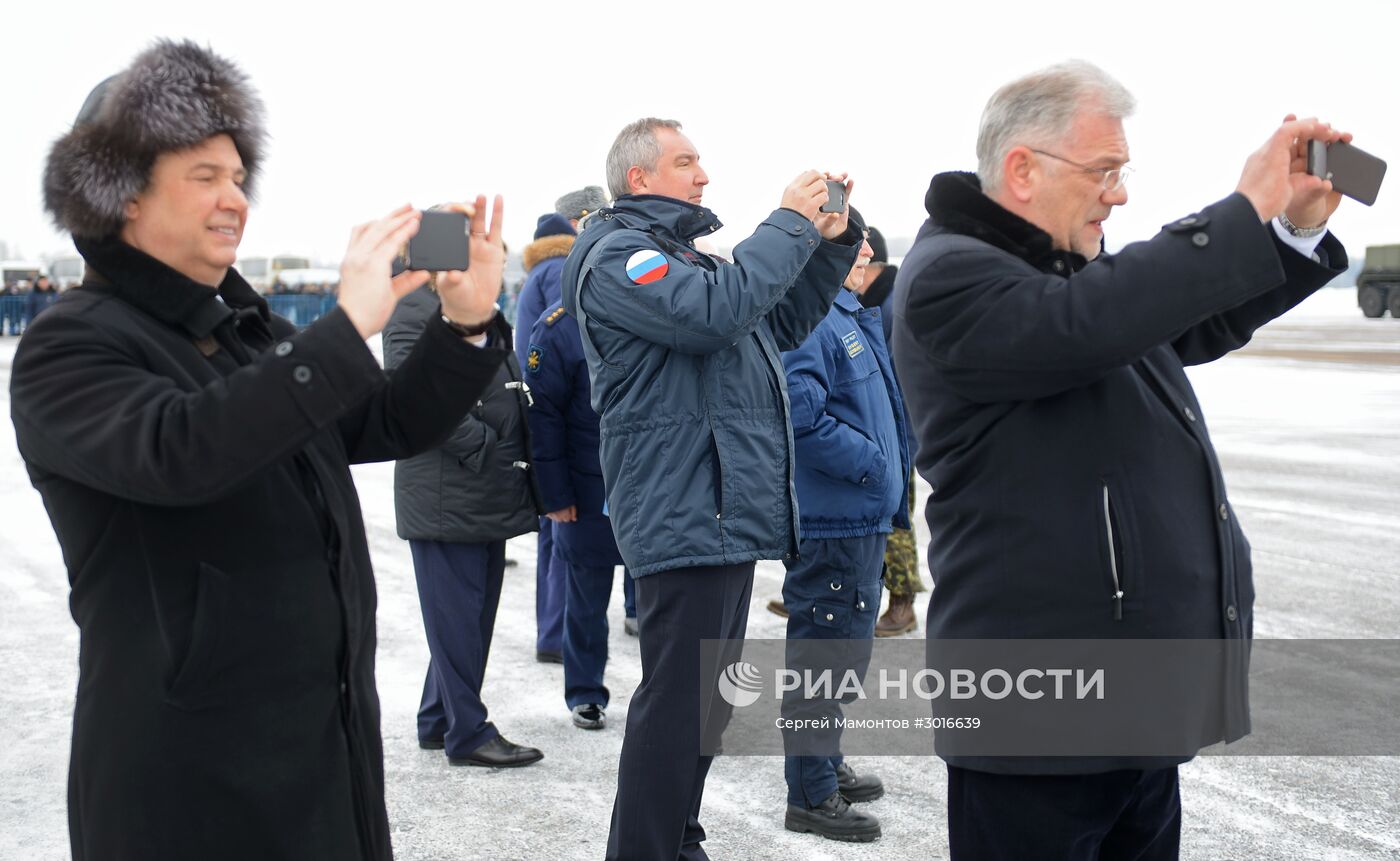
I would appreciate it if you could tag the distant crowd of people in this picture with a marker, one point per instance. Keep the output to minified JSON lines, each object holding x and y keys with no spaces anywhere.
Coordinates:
{"x":21,"y":302}
{"x":657,"y":407}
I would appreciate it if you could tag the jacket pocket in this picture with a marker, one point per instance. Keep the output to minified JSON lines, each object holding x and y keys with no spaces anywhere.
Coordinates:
{"x":193,"y":685}
{"x":1113,"y":541}
{"x":854,"y":369}
{"x":834,"y":616}
{"x":474,"y":459}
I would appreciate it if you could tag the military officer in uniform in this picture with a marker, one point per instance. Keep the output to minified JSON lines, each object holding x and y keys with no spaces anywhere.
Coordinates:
{"x":564,"y":439}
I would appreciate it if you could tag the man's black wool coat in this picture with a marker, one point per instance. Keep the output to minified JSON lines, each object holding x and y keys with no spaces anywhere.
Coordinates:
{"x":1053,"y":411}
{"x":193,"y":455}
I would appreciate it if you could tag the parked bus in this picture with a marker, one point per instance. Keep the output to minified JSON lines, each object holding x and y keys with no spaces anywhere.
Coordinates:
{"x":20,"y":274}
{"x":66,"y":271}
{"x":261,"y":272}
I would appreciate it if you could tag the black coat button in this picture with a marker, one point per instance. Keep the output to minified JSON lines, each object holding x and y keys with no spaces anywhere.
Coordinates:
{"x":1224,"y":511}
{"x":1189,"y":222}
{"x":1231,"y":613}
{"x":1190,"y":416}
{"x":302,"y":374}
{"x":283,"y":349}
{"x":1200,"y":240}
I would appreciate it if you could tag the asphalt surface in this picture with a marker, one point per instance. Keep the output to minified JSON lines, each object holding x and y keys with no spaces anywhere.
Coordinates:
{"x":1311,"y":448}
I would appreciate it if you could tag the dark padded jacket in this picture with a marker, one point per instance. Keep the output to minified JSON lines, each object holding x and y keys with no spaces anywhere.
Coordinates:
{"x":683,"y":354}
{"x":477,"y":486}
{"x":848,"y":423}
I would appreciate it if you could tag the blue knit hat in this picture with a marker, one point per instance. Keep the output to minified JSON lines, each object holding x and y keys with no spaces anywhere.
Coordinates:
{"x":553,"y":224}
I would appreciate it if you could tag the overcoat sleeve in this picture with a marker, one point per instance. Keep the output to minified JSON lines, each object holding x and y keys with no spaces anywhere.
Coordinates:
{"x":87,"y":406}
{"x":1229,"y":330}
{"x":428,"y":395}
{"x":416,"y":326}
{"x":1001,"y":330}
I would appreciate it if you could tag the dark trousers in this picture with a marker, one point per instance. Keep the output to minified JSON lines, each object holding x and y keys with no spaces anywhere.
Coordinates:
{"x":1114,"y":816}
{"x":661,"y":774}
{"x":629,"y":594}
{"x":550,"y":579}
{"x":459,"y":588}
{"x":586,"y":633}
{"x":832,"y":592}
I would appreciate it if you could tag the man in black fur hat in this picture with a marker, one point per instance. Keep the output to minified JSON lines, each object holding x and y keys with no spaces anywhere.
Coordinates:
{"x":193,"y":453}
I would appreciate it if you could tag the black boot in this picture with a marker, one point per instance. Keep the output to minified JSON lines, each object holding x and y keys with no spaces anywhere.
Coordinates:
{"x":834,"y":819}
{"x":855,"y":788}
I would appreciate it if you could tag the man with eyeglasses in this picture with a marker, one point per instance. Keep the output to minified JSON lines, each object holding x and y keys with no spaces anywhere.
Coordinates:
{"x":1076,"y":493}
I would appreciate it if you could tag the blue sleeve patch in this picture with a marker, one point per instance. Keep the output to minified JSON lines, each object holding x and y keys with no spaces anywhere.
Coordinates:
{"x":534,"y":358}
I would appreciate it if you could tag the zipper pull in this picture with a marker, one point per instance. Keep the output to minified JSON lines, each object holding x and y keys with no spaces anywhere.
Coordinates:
{"x":522,"y":386}
{"x":1118,"y":606}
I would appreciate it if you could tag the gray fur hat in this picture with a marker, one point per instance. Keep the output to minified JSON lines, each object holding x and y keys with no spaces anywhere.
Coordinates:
{"x":585,"y":201}
{"x":175,"y":95}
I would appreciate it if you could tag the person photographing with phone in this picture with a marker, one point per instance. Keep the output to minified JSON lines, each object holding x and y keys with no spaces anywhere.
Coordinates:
{"x":696,"y":447}
{"x":1077,"y":494}
{"x":456,"y":505}
{"x":193,"y":452}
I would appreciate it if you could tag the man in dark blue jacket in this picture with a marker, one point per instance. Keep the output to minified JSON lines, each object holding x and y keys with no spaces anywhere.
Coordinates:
{"x":696,"y":449}
{"x":852,"y":483}
{"x":564,"y":442}
{"x":1076,"y":493}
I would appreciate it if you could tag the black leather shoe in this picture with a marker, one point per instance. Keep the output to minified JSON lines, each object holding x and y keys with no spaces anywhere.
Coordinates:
{"x":431,"y":743}
{"x":855,"y":788}
{"x":499,"y":753}
{"x":834,"y":819}
{"x":544,"y":656}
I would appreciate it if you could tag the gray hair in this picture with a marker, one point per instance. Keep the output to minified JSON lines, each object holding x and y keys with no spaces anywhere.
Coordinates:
{"x":636,"y":146}
{"x":1040,"y":109}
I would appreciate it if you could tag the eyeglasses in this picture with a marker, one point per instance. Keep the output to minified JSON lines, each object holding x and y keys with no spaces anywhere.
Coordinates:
{"x":1113,"y":177}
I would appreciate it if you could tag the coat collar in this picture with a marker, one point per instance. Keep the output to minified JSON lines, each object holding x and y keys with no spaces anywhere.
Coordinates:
{"x":143,"y":281}
{"x":680,"y":219}
{"x":956,"y":204}
{"x":848,"y":300}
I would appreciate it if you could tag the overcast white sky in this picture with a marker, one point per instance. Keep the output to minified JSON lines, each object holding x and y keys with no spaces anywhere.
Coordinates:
{"x":371,"y":105}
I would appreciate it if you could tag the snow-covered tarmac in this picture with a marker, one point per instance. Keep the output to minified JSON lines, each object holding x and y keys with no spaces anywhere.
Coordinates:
{"x":1307,"y":422}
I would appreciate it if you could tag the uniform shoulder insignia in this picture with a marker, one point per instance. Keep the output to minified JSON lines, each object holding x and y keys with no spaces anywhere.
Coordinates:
{"x":647,"y":266}
{"x":554,"y":316}
{"x":534,"y":359}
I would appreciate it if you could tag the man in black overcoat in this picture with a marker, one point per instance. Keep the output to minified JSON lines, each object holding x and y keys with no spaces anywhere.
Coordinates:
{"x":1075,"y":491}
{"x":193,"y":453}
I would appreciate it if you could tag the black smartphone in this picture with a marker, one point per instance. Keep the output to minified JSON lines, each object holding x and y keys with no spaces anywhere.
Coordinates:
{"x":1353,"y":171}
{"x":835,"y":196}
{"x":440,"y":245}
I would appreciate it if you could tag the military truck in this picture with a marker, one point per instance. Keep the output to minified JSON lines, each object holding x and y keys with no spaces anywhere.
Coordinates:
{"x":1378,"y":285}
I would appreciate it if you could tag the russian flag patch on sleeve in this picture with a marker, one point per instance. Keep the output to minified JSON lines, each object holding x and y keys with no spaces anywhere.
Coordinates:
{"x":647,"y":266}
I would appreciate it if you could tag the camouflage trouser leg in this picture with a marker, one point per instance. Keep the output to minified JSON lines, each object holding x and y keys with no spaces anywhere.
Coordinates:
{"x":902,"y":558}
